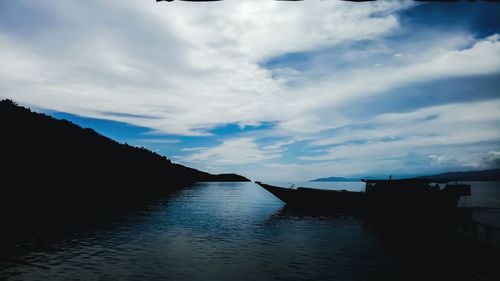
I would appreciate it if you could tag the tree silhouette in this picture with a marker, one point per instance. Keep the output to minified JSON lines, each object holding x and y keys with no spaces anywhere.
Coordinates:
{"x":55,"y":167}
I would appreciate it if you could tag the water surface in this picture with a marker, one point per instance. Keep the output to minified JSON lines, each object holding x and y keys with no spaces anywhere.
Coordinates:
{"x":209,"y":231}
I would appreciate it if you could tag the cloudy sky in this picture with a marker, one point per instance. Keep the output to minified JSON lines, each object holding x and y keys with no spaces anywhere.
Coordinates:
{"x":271,"y":90}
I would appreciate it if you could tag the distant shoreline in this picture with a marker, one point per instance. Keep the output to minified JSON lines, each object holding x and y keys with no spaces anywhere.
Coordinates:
{"x":482,"y":175}
{"x":335,"y":179}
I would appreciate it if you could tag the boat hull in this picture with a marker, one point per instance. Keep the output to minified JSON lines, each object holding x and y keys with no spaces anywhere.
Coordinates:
{"x":316,"y":198}
{"x":321,"y":198}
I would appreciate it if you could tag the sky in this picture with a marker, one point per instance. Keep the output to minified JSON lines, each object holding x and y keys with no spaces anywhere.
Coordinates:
{"x":277,"y":91}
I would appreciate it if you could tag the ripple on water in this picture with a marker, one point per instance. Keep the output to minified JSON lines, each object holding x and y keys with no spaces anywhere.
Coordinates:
{"x":210,"y":231}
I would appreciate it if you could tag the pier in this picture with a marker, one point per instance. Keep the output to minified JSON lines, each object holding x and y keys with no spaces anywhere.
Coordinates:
{"x":456,"y":245}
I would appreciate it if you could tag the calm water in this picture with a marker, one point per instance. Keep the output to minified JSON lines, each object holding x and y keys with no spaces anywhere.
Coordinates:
{"x":209,"y":231}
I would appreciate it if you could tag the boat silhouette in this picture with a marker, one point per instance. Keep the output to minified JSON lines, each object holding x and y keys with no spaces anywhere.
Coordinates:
{"x":377,"y":192}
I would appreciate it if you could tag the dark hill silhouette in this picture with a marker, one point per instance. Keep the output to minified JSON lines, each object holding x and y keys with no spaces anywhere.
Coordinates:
{"x":484,"y":175}
{"x":51,"y":165}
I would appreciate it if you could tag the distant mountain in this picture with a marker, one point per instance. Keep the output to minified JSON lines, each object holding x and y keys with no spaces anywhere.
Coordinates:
{"x":332,"y":179}
{"x":50,"y":164}
{"x":484,"y":175}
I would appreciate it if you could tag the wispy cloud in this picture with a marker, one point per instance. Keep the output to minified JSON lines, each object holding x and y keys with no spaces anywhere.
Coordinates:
{"x":182,"y":70}
{"x":192,"y":67}
{"x":234,"y":151}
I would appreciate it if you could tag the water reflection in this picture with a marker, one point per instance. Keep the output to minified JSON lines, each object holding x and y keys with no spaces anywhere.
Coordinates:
{"x":211,"y":231}
{"x":295,"y":213}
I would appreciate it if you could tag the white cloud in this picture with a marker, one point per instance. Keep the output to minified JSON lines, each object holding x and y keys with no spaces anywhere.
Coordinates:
{"x":445,"y":124}
{"x":194,"y":67}
{"x":278,"y":145}
{"x":489,"y":159}
{"x":179,"y":68}
{"x":191,"y":66}
{"x":193,"y":148}
{"x":455,"y":136}
{"x":482,"y":57}
{"x":234,"y":151}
